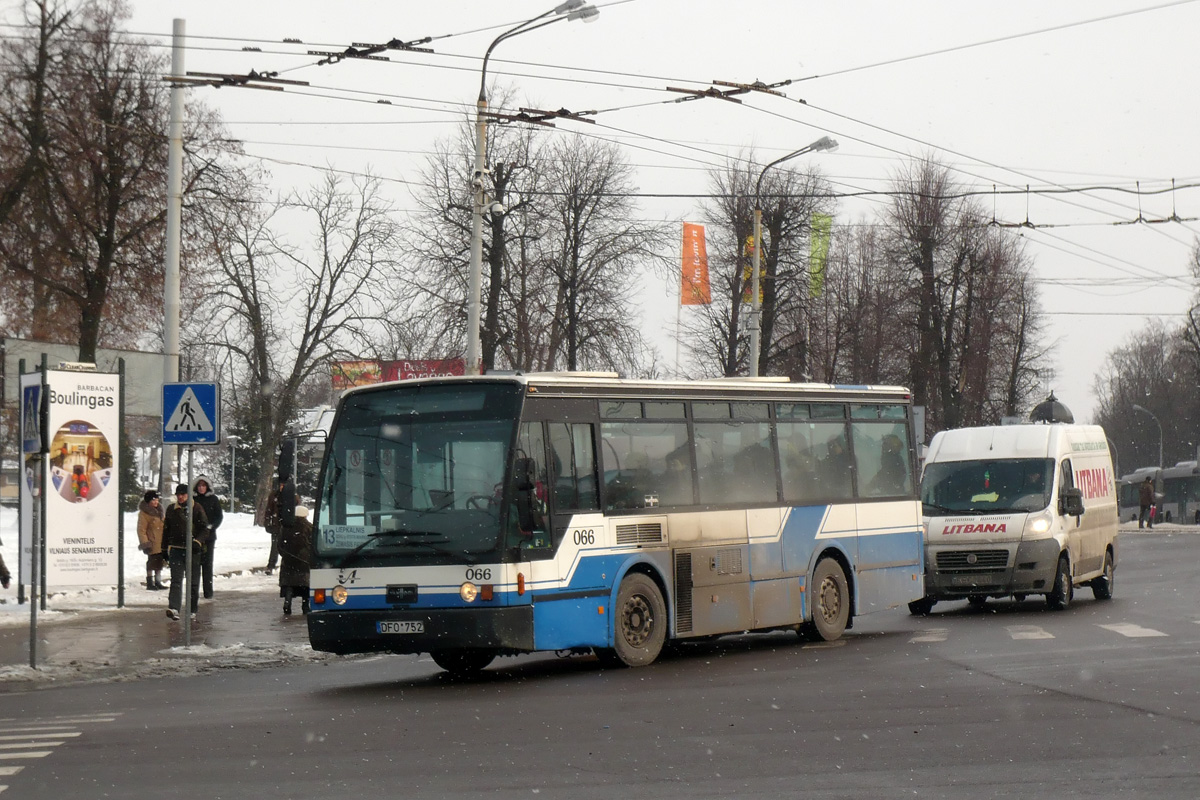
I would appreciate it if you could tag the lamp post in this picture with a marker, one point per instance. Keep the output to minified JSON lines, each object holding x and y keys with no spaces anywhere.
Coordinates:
{"x":569,"y":10}
{"x":1149,"y":413}
{"x":233,"y":440}
{"x":822,"y":144}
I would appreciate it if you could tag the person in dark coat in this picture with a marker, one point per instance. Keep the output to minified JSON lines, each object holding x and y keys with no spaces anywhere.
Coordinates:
{"x":295,"y":552}
{"x":5,"y":577}
{"x":273,"y":520}
{"x":150,"y":533}
{"x":212,"y":509}
{"x":175,"y":540}
{"x":1146,"y":501}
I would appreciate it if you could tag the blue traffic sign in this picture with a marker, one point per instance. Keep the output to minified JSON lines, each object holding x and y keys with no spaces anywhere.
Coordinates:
{"x":191,"y":413}
{"x":31,"y":418}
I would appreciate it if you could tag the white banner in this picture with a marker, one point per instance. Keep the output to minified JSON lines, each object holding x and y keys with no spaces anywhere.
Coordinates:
{"x":83,"y":502}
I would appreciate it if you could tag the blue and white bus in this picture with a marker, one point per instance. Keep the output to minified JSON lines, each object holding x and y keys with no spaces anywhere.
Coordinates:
{"x":473,"y":517}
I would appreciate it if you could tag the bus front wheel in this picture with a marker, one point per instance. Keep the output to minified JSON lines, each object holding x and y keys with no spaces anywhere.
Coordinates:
{"x":462,"y":662}
{"x":640,"y":622}
{"x":831,"y":602}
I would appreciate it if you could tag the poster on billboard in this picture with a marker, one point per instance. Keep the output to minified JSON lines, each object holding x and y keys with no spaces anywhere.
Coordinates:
{"x":83,"y":501}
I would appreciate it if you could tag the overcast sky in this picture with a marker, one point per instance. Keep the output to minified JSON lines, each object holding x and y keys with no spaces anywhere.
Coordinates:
{"x":1049,"y":95}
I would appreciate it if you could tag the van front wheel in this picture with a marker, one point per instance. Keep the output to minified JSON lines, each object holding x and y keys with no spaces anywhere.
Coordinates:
{"x":1062,"y":593}
{"x":1102,"y":587}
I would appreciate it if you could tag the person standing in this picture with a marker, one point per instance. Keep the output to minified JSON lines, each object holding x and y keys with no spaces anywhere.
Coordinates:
{"x":150,"y":534}
{"x":175,"y":541}
{"x":281,"y":505}
{"x":212,"y":509}
{"x":295,"y":552}
{"x":5,"y":577}
{"x":1146,"y":500}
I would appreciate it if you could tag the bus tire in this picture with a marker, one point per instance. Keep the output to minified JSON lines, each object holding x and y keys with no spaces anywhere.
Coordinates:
{"x":831,"y":601}
{"x":1061,"y":595}
{"x":922,"y":607}
{"x":639,"y":623}
{"x":1102,"y":587}
{"x":462,"y":662}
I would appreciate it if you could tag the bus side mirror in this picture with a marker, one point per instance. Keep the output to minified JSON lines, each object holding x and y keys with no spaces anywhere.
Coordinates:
{"x":1070,"y":502}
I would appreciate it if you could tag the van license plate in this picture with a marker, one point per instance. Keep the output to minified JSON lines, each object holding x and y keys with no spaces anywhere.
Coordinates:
{"x":407,"y":626}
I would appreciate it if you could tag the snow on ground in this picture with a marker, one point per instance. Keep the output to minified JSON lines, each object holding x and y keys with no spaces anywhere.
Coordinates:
{"x":241,"y":553}
{"x":241,"y":546}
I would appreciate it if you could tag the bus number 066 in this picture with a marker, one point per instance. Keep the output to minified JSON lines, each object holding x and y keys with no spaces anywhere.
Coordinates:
{"x":479,"y":574}
{"x":585,"y":537}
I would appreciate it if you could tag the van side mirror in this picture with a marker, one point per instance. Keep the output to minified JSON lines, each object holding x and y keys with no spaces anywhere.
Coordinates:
{"x":1070,"y":502}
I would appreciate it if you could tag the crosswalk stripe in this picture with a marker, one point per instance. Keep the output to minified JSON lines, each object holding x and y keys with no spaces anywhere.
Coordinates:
{"x":931,"y":635}
{"x":63,"y":735}
{"x":1132,"y":631}
{"x":20,"y":745}
{"x":1028,"y":632}
{"x":29,"y":754}
{"x":10,"y":770}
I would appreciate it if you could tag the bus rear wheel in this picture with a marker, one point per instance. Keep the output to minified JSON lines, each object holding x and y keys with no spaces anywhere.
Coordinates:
{"x":640,"y":623}
{"x":831,"y":602}
{"x":462,"y":662}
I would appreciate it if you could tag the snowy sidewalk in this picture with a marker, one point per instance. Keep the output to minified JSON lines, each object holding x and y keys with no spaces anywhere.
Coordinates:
{"x":83,"y":636}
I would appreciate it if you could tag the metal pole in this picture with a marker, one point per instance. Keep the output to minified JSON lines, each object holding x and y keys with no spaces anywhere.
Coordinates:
{"x":171,"y":302}
{"x":475,"y":300}
{"x":186,"y":602}
{"x":233,"y":474}
{"x":121,"y":488}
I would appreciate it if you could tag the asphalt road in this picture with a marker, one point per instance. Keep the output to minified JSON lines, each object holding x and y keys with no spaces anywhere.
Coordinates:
{"x":1101,"y":700}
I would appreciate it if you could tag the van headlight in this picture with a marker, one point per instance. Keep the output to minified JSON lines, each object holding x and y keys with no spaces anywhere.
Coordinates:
{"x":1038,"y":523}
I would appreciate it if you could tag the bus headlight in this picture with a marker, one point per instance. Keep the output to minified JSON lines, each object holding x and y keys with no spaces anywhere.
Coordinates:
{"x":468,"y":592}
{"x":1038,"y":523}
{"x":340,"y":595}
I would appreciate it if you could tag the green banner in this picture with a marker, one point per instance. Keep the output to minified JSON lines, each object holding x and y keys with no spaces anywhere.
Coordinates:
{"x":818,"y":252}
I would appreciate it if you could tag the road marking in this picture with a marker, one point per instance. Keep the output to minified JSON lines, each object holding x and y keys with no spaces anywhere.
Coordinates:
{"x":29,"y":754}
{"x":10,"y":770}
{"x":1028,"y":632}
{"x":931,"y":635}
{"x":1132,"y":631}
{"x":20,"y":745}
{"x":64,"y":734}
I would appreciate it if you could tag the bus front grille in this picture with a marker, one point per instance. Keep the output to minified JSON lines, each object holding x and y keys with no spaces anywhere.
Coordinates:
{"x":971,"y":560}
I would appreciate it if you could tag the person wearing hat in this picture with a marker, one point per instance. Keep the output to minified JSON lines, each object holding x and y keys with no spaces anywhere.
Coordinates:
{"x":295,"y":553}
{"x":150,"y":534}
{"x":174,"y":543}
{"x":212,"y":509}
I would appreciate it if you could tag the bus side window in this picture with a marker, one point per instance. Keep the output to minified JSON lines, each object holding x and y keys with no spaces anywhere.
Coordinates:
{"x":573,"y":467}
{"x":530,"y":483}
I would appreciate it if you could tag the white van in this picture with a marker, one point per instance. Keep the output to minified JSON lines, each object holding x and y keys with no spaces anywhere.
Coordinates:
{"x":1018,"y":510}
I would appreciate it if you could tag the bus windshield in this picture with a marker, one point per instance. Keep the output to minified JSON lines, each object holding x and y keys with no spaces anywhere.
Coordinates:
{"x":415,"y":474}
{"x":995,"y":486}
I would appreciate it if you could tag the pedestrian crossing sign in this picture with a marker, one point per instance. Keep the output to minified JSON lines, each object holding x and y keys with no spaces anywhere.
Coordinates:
{"x":191,"y":413}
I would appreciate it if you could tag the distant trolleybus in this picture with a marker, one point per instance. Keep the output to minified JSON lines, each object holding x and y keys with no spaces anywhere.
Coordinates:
{"x":473,"y":517}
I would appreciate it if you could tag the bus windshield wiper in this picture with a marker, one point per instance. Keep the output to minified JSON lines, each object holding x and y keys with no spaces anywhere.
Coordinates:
{"x":372,"y":538}
{"x":937,"y":507}
{"x":463,"y":554}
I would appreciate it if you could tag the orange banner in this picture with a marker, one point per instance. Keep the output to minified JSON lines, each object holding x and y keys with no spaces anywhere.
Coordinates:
{"x":696,"y":290}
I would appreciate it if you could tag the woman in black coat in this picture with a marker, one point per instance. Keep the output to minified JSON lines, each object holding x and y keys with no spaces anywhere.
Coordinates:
{"x":295,"y":553}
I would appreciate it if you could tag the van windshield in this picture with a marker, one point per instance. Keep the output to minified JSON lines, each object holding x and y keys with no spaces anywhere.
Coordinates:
{"x":994,"y":486}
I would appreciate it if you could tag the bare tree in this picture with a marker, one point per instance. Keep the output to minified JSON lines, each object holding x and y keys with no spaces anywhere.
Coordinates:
{"x":283,"y":311}
{"x":788,"y":198}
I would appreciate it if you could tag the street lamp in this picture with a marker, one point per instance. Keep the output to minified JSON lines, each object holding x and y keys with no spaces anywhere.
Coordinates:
{"x":1148,"y":412}
{"x":233,"y":440}
{"x":570,"y":9}
{"x":822,"y":144}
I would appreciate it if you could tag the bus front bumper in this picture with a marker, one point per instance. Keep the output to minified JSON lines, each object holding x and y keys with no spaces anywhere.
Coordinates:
{"x":421,"y":630}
